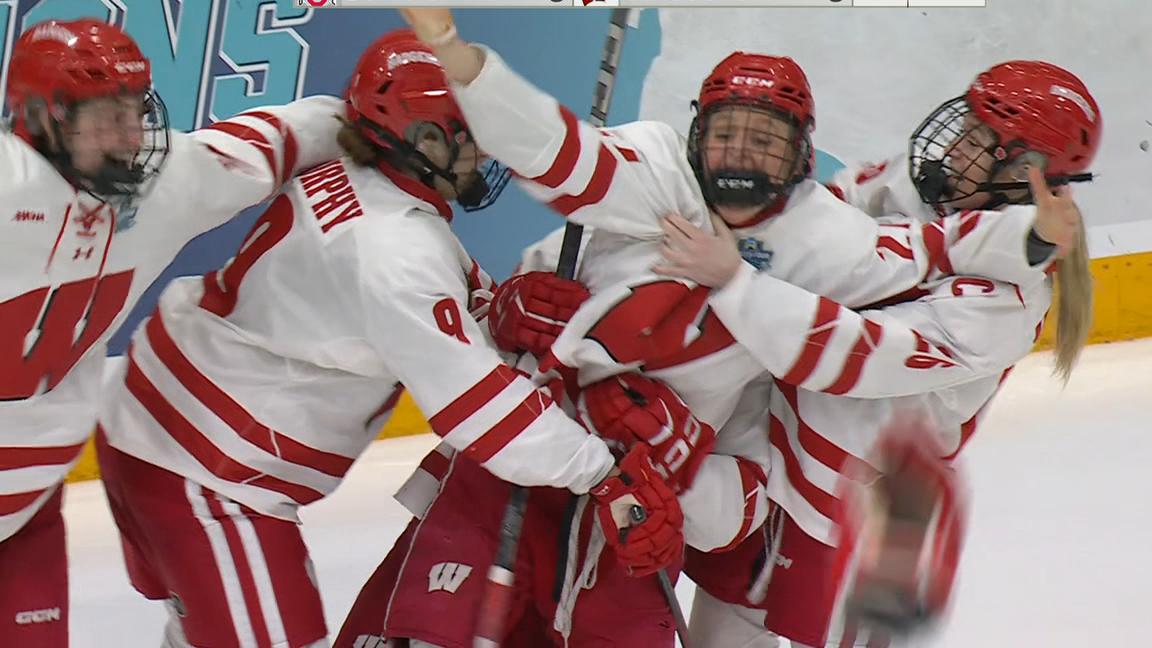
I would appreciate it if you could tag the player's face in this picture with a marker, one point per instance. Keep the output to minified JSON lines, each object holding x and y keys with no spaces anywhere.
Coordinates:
{"x":467,"y":168}
{"x":741,"y":140}
{"x":970,"y":159}
{"x":747,"y":139}
{"x":465,"y":165}
{"x":104,"y":131}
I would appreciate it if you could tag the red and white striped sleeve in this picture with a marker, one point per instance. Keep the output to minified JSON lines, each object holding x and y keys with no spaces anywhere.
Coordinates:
{"x":993,"y":243}
{"x":620,"y":179}
{"x":861,"y":261}
{"x":240,"y":161}
{"x":963,"y":328}
{"x":984,"y":243}
{"x":414,"y":301}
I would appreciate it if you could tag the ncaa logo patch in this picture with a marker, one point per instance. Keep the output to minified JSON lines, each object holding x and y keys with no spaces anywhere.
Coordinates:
{"x":752,"y":250}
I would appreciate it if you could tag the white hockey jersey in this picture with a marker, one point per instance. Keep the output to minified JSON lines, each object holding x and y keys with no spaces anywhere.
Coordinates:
{"x":260,"y":381}
{"x":980,"y":325}
{"x":622,"y":181}
{"x":71,"y":269}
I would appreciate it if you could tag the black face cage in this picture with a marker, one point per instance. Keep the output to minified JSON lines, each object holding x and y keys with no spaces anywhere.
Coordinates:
{"x":495,"y":176}
{"x":938,"y":174}
{"x":748,"y":187}
{"x":127,"y":182}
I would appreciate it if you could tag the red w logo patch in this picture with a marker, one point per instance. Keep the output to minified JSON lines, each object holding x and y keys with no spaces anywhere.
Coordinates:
{"x":76,"y":316}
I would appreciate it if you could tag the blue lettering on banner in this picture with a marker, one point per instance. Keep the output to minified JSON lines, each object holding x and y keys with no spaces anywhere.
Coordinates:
{"x":264,"y":57}
{"x":7,"y":34}
{"x":258,"y":38}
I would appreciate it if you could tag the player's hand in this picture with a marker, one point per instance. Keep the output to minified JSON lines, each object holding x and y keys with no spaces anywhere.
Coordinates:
{"x":530,"y":310}
{"x":1058,"y":219}
{"x":692,"y":253}
{"x":431,"y":24}
{"x":632,"y":409}
{"x":640,"y":515}
{"x":905,"y":528}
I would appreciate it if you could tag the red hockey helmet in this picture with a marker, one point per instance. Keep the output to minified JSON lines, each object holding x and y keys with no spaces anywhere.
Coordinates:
{"x":399,"y":82}
{"x":399,"y":85}
{"x":759,"y":80}
{"x":771,"y":84}
{"x":1029,"y":107}
{"x":62,"y":64}
{"x":1044,"y":107}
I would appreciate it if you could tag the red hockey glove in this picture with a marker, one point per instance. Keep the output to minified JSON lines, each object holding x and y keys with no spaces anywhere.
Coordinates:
{"x":640,"y":515}
{"x":630,"y":408}
{"x":529,"y":311}
{"x":906,"y":528}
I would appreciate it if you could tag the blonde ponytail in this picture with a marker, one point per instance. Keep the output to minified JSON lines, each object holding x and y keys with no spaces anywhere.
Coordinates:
{"x":1073,"y":307}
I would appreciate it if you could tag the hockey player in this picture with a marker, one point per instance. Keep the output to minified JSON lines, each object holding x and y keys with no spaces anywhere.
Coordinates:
{"x":250,"y":392}
{"x":100,"y":196}
{"x":617,"y":170}
{"x":973,"y":152}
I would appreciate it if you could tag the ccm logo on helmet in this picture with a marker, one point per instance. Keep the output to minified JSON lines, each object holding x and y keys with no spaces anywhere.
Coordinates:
{"x":53,"y":32}
{"x":734,"y":183}
{"x":1076,"y":98}
{"x":130,"y":67}
{"x":404,"y":58}
{"x":753,"y":81}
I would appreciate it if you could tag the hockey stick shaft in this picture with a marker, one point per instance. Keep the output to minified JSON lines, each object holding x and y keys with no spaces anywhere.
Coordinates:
{"x":574,"y":233}
{"x":601,"y":102}
{"x":495,"y":606}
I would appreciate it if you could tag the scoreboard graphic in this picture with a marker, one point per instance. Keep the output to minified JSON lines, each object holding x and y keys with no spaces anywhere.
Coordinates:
{"x":376,"y":4}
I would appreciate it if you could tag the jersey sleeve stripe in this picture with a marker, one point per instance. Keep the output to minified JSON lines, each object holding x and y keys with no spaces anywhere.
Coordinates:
{"x":468,"y":403}
{"x":488,"y":444}
{"x":233,"y":413}
{"x":16,"y":502}
{"x":597,"y":188}
{"x":12,"y":458}
{"x":252,"y":136}
{"x":934,"y":241}
{"x":890,"y":243}
{"x":968,"y":222}
{"x":823,"y":325}
{"x":854,"y":366}
{"x":565,"y":162}
{"x":290,"y":153}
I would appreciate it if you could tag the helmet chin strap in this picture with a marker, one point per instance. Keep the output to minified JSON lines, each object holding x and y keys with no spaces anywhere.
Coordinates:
{"x":471,"y":195}
{"x":932,"y":182}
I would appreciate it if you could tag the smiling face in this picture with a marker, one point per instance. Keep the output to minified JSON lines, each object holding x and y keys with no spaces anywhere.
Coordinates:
{"x":747,"y":145}
{"x":104,"y":132}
